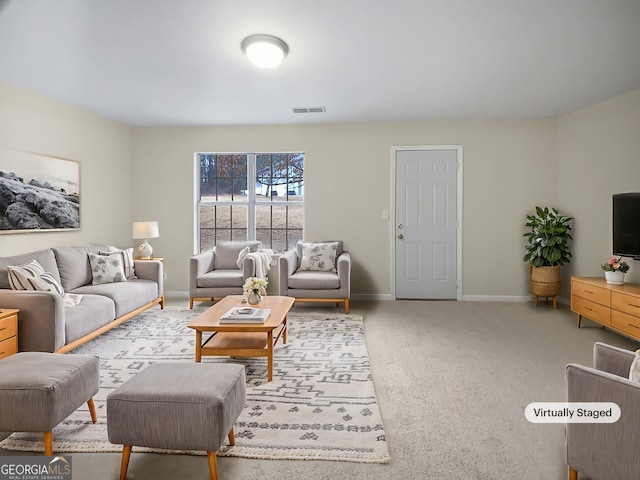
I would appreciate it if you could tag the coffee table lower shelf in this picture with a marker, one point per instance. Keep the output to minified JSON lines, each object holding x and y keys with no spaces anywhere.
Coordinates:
{"x":241,"y":344}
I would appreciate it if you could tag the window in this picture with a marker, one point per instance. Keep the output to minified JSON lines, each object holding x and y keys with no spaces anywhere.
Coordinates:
{"x":250,"y":196}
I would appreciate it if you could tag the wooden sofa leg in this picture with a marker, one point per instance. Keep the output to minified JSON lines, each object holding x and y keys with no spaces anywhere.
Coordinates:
{"x":124,"y":465}
{"x":346,"y":306}
{"x":48,"y":443}
{"x":191,"y":303}
{"x":213,"y":468}
{"x":573,"y":475}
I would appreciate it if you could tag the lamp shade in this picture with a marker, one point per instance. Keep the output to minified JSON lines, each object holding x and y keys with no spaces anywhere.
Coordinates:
{"x":265,"y":51}
{"x":145,"y":230}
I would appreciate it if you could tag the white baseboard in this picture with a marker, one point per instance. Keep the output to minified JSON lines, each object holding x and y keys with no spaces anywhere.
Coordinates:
{"x":181,"y":294}
{"x":372,"y":296}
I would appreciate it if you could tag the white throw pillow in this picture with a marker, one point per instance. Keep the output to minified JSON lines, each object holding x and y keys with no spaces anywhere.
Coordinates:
{"x":31,"y":276}
{"x":127,"y":260}
{"x":319,"y":257}
{"x":106,"y":268}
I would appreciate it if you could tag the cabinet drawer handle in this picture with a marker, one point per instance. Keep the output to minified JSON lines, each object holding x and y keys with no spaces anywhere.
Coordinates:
{"x":632,"y":325}
{"x":3,"y":328}
{"x":590,"y":309}
{"x":634,"y":306}
{"x":589,"y":291}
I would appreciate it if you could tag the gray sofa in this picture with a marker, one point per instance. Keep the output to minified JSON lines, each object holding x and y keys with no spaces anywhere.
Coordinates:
{"x":47,"y":323}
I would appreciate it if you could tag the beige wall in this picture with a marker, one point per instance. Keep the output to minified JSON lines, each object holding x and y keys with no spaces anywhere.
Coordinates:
{"x":33,"y":123}
{"x":598,"y":155}
{"x":510,"y":166}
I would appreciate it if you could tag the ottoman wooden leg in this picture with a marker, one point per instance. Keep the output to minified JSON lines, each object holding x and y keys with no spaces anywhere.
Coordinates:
{"x":213,"y":468}
{"x":48,"y":443}
{"x":126,"y":454}
{"x":92,"y":410}
{"x":232,"y":437}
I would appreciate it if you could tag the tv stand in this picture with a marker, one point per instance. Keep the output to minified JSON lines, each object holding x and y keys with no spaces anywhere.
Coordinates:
{"x":613,"y":306}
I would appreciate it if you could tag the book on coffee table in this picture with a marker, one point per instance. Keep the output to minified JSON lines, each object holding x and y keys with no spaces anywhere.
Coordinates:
{"x":245,"y":315}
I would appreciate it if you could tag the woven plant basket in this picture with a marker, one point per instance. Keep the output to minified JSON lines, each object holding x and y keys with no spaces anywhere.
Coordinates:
{"x":544,"y":281}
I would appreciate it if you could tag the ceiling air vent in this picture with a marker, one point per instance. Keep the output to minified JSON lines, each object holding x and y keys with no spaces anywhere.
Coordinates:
{"x":309,"y":109}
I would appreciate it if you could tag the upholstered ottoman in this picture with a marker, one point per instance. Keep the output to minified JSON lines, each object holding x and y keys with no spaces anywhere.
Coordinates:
{"x":177,"y":406}
{"x":39,"y":390}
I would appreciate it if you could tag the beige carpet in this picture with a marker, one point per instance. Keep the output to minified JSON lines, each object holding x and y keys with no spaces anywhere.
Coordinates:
{"x":321,"y":404}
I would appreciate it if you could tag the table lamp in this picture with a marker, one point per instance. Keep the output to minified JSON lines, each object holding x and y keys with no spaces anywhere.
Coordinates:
{"x":145,"y":230}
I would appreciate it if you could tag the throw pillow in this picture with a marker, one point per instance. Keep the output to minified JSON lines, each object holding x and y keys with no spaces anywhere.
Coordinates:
{"x":106,"y":268}
{"x":31,"y":276}
{"x":634,"y":371}
{"x":127,"y":260}
{"x":319,"y":257}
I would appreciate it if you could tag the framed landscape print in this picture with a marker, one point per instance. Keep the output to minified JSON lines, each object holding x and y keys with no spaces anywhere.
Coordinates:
{"x":38,"y":193}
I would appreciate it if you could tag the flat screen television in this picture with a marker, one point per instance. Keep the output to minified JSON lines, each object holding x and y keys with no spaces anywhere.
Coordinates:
{"x":626,"y":225}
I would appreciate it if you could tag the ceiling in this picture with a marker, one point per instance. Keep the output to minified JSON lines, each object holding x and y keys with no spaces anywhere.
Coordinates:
{"x":179,"y":62}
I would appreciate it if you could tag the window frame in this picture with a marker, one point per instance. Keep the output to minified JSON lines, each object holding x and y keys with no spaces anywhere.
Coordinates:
{"x":251,"y":203}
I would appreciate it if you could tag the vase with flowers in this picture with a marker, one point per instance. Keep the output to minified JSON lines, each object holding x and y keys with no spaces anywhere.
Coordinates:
{"x":614,"y":270}
{"x":255,"y":289}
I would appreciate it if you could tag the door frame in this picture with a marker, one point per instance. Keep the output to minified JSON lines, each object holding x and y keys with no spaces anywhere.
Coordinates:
{"x":392,"y":214}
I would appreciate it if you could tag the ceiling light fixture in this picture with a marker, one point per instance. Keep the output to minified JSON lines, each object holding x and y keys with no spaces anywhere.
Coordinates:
{"x":264,"y":51}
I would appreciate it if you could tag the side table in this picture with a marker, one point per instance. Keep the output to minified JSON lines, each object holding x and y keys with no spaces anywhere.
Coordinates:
{"x":8,"y":332}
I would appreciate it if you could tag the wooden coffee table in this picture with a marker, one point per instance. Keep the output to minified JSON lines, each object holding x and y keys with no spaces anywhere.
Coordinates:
{"x":242,"y":339}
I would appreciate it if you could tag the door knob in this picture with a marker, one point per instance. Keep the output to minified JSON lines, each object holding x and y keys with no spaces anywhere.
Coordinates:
{"x":400,"y":236}
{"x":400,"y":226}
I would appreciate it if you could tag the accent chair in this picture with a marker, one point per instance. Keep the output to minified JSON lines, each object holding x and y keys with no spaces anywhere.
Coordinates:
{"x":214,"y":274}
{"x":316,"y":272}
{"x":604,"y":450}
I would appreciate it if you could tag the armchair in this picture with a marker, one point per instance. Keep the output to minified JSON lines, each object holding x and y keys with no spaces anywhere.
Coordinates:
{"x":214,"y":274}
{"x":311,"y":277}
{"x":603,"y":451}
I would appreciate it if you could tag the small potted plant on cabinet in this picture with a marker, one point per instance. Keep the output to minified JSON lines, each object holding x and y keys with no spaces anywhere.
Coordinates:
{"x":547,"y":249}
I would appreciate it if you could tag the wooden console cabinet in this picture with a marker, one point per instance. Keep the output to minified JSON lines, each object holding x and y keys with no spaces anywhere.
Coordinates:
{"x":614,"y":306}
{"x":8,"y":332}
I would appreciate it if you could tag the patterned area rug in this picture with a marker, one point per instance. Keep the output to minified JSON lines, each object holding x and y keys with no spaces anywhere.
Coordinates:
{"x":321,"y":404}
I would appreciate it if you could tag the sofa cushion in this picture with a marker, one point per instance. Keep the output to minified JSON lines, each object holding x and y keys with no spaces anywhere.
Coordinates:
{"x":91,"y":313}
{"x":127,"y":260}
{"x":74,"y":266}
{"x":227,"y":253}
{"x":127,"y":296}
{"x":221,"y":278}
{"x":302,"y":280}
{"x":106,"y":268}
{"x":45,"y":258}
{"x":319,"y":257}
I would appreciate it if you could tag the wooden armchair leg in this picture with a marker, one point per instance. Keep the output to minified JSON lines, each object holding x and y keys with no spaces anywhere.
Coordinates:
{"x":573,"y":475}
{"x":48,"y":443}
{"x":232,"y":437}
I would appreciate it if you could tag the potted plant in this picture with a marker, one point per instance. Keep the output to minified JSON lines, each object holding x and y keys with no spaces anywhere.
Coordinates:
{"x":547,"y":249}
{"x":614,"y":270}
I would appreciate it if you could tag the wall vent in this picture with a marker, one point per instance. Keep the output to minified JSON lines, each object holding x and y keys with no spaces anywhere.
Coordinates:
{"x":309,"y":109}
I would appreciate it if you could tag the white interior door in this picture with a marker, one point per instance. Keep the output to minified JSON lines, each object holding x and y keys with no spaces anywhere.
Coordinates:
{"x":426,"y":223}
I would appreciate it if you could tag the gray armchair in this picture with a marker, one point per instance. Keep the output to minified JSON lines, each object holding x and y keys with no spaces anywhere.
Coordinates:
{"x":314,"y":285}
{"x":214,"y":274}
{"x":605,"y":451}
